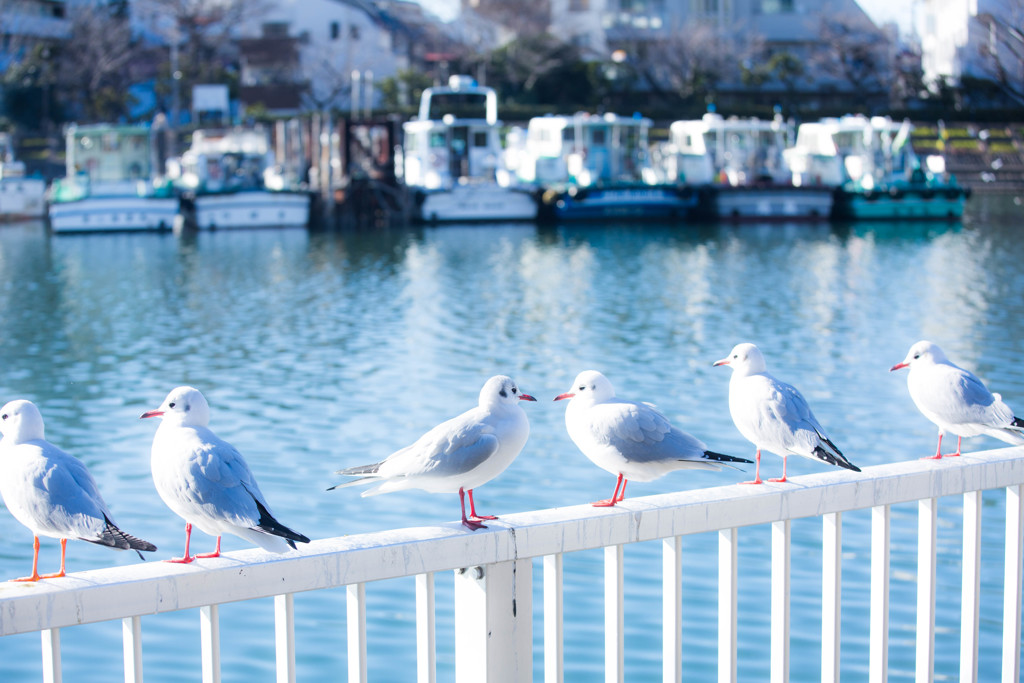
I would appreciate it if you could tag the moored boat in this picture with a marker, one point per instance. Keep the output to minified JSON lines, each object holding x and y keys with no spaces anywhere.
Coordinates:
{"x":452,"y":158}
{"x":875,"y":170}
{"x":233,"y":182}
{"x":740,"y":162}
{"x":21,"y":196}
{"x":111,"y":183}
{"x":598,"y":166}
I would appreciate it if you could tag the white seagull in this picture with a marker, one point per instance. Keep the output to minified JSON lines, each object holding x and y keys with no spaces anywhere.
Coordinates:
{"x":459,"y":455}
{"x":633,"y":441}
{"x":773,"y":415}
{"x":205,"y":480}
{"x":955,"y":400}
{"x":50,"y":491}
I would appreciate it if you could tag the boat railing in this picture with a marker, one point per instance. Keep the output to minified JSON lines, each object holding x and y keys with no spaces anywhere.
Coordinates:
{"x":493,"y":575}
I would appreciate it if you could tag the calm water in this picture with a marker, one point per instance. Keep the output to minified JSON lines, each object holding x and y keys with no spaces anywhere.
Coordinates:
{"x":318,"y":351}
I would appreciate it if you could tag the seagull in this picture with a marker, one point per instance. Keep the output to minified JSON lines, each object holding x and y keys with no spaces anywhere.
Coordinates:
{"x":52,"y":492}
{"x":633,"y":441}
{"x":458,"y":455}
{"x":955,"y":400}
{"x":206,"y":481}
{"x":773,"y":415}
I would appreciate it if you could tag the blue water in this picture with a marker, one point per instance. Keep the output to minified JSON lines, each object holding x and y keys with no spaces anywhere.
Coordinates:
{"x":318,"y":351}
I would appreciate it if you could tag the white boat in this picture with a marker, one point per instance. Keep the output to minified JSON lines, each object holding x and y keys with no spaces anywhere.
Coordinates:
{"x":111,"y":183}
{"x":593,"y":167}
{"x":233,"y":182}
{"x":741,"y":162}
{"x":21,"y":197}
{"x":452,"y":158}
{"x":877,"y":175}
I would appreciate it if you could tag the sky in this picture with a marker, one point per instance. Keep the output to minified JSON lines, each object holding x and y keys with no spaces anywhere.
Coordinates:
{"x":881,"y":11}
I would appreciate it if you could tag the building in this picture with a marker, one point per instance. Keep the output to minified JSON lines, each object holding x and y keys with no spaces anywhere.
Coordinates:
{"x":972,"y":38}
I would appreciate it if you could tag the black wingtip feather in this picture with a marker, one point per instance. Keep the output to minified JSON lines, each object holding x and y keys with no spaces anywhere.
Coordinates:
{"x":721,"y":457}
{"x":113,"y":537}
{"x":270,"y":525}
{"x":836,"y":458}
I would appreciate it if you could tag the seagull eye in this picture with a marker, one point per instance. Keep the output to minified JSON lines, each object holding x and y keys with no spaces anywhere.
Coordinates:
{"x":4,"y":416}
{"x":170,"y":405}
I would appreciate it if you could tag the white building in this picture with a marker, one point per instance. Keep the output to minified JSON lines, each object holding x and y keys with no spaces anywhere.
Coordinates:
{"x":342,"y":44}
{"x":964,"y":38}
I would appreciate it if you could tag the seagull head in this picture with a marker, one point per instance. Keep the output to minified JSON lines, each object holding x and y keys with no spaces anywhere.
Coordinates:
{"x":185,"y":407}
{"x":502,"y":389}
{"x":744,"y":359}
{"x":589,"y":386}
{"x":21,"y":421}
{"x":922,"y":352}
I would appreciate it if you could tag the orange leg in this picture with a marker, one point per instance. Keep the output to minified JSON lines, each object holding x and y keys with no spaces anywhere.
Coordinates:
{"x":188,"y":537}
{"x":63,"y":554}
{"x":470,"y":524}
{"x":617,"y":496}
{"x":782,"y":479}
{"x":757,"y":470}
{"x":472,"y":510}
{"x":938,"y":450}
{"x":215,"y":553}
{"x":35,"y":562}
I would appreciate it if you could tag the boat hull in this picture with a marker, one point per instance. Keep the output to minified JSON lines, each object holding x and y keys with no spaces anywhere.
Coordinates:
{"x":476,"y":203}
{"x":925,"y":203}
{"x":650,"y":202}
{"x":114,"y":214}
{"x":22,"y":198}
{"x":773,"y":202}
{"x":251,"y":209}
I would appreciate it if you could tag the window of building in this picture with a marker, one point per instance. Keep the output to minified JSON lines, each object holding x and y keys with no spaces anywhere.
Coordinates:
{"x":353,"y":32}
{"x":335,"y":30}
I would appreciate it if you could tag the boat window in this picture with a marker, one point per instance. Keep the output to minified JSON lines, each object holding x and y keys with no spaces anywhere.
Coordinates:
{"x":437,"y":139}
{"x":480,"y":139}
{"x":109,"y":142}
{"x":598,"y":136}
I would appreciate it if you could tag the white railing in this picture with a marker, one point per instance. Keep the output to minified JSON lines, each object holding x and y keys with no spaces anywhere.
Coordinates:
{"x":493,"y":577}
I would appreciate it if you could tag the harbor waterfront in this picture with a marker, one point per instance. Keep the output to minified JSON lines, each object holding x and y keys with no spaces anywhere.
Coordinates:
{"x":319,"y":351}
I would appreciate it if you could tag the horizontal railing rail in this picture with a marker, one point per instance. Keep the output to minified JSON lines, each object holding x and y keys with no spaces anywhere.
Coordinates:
{"x":496,"y":573}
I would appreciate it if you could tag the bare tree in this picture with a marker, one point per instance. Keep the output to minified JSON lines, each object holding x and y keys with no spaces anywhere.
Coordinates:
{"x":1003,"y":51}
{"x":853,"y":51}
{"x":691,"y":61}
{"x":200,"y":36}
{"x":92,"y":74}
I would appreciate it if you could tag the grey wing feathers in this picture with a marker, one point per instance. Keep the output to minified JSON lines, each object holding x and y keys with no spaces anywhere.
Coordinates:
{"x":113,"y":537}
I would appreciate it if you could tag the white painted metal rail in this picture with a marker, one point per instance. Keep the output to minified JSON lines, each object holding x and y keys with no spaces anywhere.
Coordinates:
{"x":494,"y":569}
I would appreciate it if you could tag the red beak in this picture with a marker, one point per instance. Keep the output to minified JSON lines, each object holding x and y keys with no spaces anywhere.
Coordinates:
{"x":526,"y":397}
{"x":151,"y":413}
{"x":565,"y":395}
{"x":898,"y":366}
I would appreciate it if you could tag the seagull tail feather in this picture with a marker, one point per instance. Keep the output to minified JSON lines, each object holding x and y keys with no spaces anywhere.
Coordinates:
{"x":723,"y":458}
{"x":113,"y":537}
{"x":270,"y":525}
{"x":835,"y":457}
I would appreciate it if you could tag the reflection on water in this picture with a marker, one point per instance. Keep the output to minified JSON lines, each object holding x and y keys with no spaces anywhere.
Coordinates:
{"x":321,"y":350}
